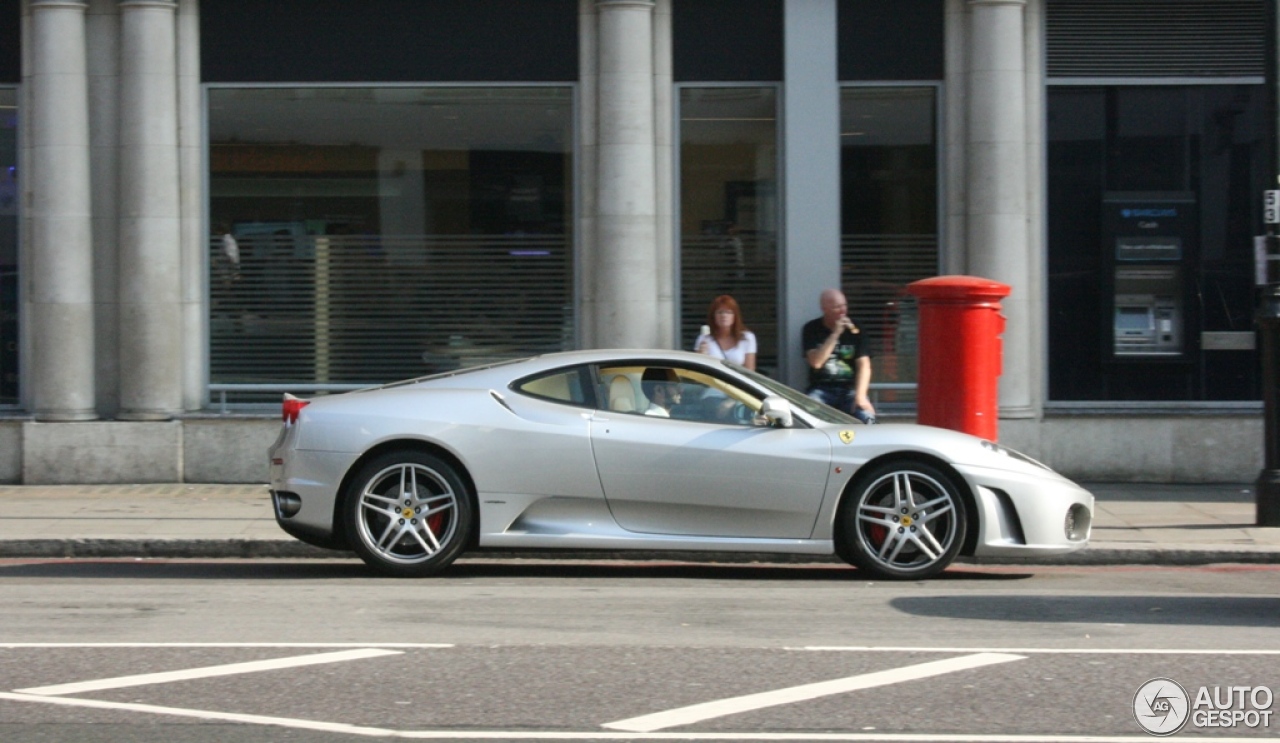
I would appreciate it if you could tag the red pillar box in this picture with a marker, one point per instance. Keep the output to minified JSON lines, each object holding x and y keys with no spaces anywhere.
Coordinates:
{"x":960,"y":352}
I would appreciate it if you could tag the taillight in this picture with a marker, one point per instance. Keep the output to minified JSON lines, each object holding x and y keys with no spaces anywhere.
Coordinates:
{"x":291,"y":407}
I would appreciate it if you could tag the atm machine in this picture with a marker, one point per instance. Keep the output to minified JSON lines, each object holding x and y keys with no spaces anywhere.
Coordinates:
{"x":1148,"y":242}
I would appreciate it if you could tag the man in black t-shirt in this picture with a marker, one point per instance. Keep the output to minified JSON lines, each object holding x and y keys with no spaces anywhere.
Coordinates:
{"x":839,"y":360}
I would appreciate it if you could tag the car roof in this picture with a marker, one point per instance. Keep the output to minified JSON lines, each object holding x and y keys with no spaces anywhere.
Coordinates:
{"x":600,"y":355}
{"x":502,"y":372}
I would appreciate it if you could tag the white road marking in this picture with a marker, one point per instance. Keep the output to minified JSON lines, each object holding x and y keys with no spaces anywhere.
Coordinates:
{"x":199,"y":714}
{"x":121,"y":682}
{"x":337,"y":727}
{"x":863,"y":737}
{"x":406,"y":645}
{"x":722,"y":707}
{"x":1028,"y":651}
{"x":813,"y":648}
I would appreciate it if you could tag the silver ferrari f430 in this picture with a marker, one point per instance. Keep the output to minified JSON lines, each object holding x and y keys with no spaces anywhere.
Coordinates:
{"x":650,"y":450}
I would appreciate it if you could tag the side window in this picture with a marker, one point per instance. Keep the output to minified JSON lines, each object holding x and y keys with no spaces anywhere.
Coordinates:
{"x":712,"y":400}
{"x":672,"y":392}
{"x":561,"y":386}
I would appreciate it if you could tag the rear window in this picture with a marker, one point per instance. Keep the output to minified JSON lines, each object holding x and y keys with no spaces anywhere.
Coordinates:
{"x":565,"y":385}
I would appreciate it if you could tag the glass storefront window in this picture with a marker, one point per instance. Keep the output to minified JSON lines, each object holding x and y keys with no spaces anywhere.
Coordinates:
{"x":729,"y":210}
{"x":889,"y":219}
{"x":8,"y":247}
{"x":363,"y":235}
{"x":1154,"y":198}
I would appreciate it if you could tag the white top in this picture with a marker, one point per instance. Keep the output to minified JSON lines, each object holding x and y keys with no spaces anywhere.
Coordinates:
{"x":657,"y":411}
{"x":737,"y":354}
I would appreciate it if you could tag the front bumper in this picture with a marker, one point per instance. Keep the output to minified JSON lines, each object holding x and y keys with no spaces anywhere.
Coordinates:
{"x":1029,"y":515}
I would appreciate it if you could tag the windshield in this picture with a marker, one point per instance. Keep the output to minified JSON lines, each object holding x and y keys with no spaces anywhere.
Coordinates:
{"x":822,"y":412}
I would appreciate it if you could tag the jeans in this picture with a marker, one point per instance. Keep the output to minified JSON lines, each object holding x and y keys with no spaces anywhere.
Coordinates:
{"x":841,"y":398}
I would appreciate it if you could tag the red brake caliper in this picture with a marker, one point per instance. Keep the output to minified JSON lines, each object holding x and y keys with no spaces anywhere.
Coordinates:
{"x":877,"y":533}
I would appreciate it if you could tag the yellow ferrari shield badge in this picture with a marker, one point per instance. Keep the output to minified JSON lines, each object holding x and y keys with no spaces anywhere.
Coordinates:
{"x":846,"y":436}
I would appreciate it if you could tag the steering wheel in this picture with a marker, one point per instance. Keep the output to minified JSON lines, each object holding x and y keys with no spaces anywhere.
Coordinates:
{"x":743,"y":414}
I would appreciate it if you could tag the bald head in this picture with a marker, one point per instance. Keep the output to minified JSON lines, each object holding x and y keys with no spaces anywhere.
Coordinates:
{"x":834,"y":306}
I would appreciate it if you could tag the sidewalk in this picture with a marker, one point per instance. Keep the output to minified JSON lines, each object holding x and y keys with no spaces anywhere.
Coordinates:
{"x":1133,"y":524}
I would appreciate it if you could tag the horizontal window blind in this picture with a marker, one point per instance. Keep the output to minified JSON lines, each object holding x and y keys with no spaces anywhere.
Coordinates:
{"x":876,"y":270}
{"x":368,"y":310}
{"x":744,"y":266}
{"x":1155,"y":38}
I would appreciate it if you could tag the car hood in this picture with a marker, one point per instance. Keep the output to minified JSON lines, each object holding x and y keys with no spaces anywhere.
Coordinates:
{"x":860,"y":443}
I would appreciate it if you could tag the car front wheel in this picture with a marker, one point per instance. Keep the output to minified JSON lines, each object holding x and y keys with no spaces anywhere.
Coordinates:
{"x":408,"y":513}
{"x":905,"y":521}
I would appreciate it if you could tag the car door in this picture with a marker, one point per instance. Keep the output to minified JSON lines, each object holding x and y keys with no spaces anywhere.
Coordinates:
{"x":700,"y":476}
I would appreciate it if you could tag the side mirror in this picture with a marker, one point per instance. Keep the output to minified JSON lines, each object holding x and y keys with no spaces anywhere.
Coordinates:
{"x":777,"y":411}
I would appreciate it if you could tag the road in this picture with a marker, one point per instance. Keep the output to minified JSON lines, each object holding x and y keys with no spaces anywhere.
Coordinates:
{"x":182,"y":651}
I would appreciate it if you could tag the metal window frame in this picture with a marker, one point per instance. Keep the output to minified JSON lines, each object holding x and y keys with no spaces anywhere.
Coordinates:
{"x":220,"y":390}
{"x":1064,"y":408}
{"x":677,"y":207}
{"x":940,"y":186}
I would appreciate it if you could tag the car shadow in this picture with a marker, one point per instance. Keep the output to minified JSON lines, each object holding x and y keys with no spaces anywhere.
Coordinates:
{"x":1214,"y":611}
{"x":693,"y":571}
{"x":464,"y":569}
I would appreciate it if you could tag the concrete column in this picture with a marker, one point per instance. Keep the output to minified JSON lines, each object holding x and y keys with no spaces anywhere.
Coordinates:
{"x":58,"y":241}
{"x":195,"y":235}
{"x":810,"y":173}
{"x":997,"y":186}
{"x":1037,"y":299}
{"x":151,"y":345}
{"x":956,"y":139}
{"x":587,"y":295}
{"x":625,"y":297}
{"x":664,"y":173}
{"x":102,"y":24}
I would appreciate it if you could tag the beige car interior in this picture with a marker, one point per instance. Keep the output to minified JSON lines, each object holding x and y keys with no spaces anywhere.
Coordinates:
{"x":622,"y":394}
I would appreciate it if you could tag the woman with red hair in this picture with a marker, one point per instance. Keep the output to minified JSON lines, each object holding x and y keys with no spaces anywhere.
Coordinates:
{"x":725,"y":336}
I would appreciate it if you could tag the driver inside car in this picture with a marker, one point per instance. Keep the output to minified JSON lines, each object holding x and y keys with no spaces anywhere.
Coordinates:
{"x":663,"y":389}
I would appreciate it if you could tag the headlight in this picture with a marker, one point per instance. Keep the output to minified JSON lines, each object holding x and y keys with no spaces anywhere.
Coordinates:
{"x":995,"y":448}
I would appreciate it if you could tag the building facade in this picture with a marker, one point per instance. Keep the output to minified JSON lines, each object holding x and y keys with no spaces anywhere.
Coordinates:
{"x":206,"y":203}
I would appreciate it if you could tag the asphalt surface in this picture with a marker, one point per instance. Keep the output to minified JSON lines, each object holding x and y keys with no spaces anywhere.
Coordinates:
{"x":1161,"y":524}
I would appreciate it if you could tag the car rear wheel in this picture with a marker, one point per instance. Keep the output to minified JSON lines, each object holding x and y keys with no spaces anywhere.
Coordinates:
{"x":408,"y":513}
{"x":906,"y":521}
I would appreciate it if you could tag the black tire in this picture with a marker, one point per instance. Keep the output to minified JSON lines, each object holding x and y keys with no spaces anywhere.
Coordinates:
{"x":905,"y":521}
{"x":408,"y":514}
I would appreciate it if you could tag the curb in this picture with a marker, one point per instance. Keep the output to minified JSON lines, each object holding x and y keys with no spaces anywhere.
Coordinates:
{"x":161,"y":548}
{"x":292,"y":549}
{"x":1176,"y":556}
